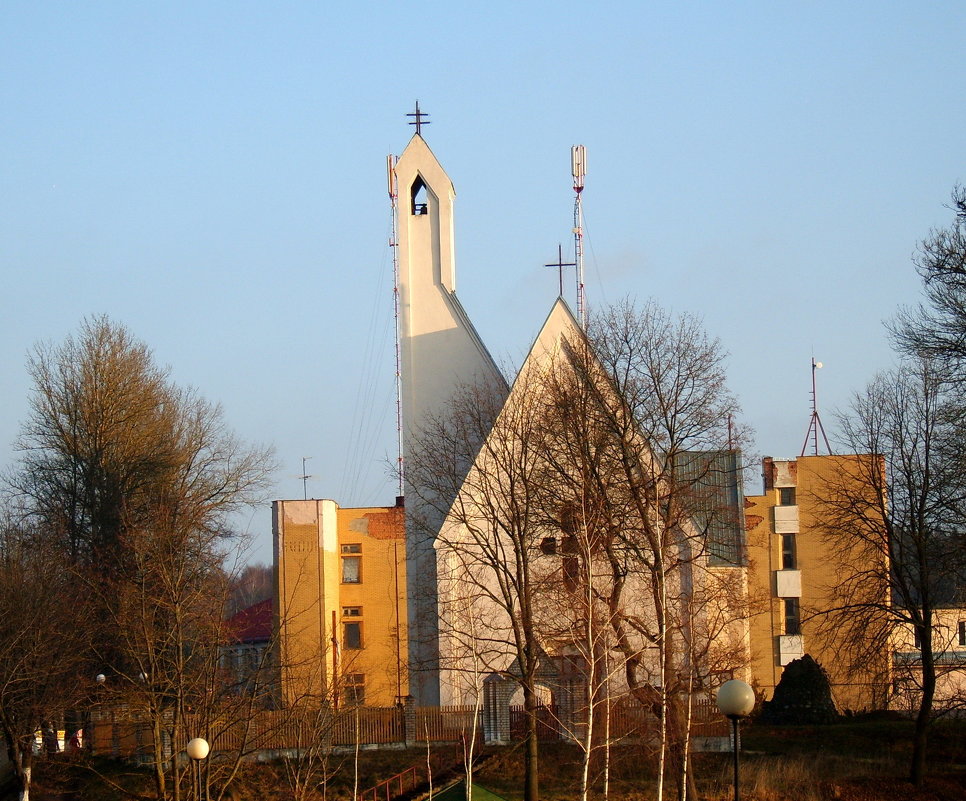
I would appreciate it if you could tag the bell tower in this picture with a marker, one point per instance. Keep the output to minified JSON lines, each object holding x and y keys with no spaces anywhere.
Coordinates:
{"x":440,"y":352}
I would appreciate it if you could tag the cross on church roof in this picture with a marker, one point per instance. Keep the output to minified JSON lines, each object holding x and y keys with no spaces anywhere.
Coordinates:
{"x":419,"y":122}
{"x":560,"y":264}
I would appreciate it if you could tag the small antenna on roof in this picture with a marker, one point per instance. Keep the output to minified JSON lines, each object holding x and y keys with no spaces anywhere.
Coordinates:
{"x":305,"y":479}
{"x":815,"y":423}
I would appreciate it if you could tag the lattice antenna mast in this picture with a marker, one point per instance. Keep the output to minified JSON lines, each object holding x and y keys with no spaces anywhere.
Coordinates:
{"x":578,"y":168}
{"x":815,"y":423}
{"x":393,"y":187}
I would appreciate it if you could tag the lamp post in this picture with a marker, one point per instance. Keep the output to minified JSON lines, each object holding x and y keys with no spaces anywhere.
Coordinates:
{"x":197,"y":749}
{"x":736,"y":700}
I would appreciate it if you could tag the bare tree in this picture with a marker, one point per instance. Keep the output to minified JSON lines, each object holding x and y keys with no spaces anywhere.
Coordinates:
{"x":44,"y":640}
{"x":134,"y":481}
{"x":110,"y":439}
{"x":936,"y":330}
{"x":251,"y":585}
{"x":894,"y":521}
{"x":619,"y":446}
{"x":490,"y":535}
{"x":646,"y":452}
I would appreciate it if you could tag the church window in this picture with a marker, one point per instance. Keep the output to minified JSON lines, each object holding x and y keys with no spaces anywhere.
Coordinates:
{"x":961,"y":639}
{"x":352,"y":636}
{"x":417,"y":193}
{"x":786,"y":496}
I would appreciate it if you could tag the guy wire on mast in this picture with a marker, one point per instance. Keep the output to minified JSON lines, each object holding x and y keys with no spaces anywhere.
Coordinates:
{"x":394,"y":244}
{"x":578,"y":168}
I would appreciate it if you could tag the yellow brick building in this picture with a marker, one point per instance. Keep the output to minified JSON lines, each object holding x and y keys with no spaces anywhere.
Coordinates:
{"x":341,"y":614}
{"x":791,"y":573}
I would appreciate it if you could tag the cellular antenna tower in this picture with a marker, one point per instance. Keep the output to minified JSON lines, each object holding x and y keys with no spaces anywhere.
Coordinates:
{"x":393,"y":188}
{"x":578,"y":168}
{"x":815,"y":423}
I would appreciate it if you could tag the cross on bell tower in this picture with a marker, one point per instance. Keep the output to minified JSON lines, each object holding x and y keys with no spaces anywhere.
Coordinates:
{"x":419,"y":122}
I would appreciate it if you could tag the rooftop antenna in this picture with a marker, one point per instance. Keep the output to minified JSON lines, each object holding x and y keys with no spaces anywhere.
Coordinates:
{"x":305,"y":479}
{"x":815,"y":423}
{"x":560,"y":264}
{"x":394,"y":245}
{"x":578,"y":168}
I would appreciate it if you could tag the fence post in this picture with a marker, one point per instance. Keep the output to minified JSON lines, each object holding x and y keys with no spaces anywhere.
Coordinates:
{"x":407,"y":710}
{"x":496,"y":712}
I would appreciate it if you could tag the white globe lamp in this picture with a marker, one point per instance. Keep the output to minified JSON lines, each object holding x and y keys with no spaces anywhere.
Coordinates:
{"x":736,"y":700}
{"x":198,"y":748}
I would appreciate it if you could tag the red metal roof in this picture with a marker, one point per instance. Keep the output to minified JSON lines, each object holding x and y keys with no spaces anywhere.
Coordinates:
{"x":253,"y":624}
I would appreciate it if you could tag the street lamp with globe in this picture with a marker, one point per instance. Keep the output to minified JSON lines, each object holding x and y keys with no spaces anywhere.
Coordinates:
{"x":197,"y":749}
{"x":736,"y":700}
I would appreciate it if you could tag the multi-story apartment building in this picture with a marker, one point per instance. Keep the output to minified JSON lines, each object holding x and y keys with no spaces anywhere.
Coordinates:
{"x":793,"y":575}
{"x":341,"y":602}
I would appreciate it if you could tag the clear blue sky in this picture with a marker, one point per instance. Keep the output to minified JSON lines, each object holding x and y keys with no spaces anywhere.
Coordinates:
{"x":212,"y":175}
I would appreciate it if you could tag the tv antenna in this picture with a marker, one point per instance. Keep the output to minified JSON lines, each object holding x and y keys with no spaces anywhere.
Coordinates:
{"x":305,"y":479}
{"x":578,"y":168}
{"x":815,"y":423}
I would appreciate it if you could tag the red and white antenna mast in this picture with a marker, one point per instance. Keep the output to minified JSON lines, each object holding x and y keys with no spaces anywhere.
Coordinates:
{"x":578,"y":168}
{"x":815,"y":423}
{"x":394,"y":244}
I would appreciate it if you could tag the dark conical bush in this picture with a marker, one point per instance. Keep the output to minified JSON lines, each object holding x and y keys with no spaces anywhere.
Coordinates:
{"x":802,"y":697}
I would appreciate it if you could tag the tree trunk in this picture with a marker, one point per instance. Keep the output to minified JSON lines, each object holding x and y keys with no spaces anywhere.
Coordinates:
{"x":917,"y":770}
{"x":531,"y":780}
{"x":22,"y":767}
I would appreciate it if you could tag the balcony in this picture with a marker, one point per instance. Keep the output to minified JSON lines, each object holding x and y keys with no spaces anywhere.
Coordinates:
{"x":790,"y":648}
{"x":788,"y":583}
{"x":786,"y":519}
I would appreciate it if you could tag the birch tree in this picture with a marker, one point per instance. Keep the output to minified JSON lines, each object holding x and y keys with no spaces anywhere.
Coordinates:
{"x":647,"y":442}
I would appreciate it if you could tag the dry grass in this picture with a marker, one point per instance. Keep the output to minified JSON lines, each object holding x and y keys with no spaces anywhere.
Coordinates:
{"x":854,"y":761}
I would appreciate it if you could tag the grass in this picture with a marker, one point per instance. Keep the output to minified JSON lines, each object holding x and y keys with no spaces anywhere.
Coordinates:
{"x":856,"y":760}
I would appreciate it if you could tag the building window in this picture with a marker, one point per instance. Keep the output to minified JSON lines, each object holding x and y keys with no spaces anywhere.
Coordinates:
{"x":793,"y":623}
{"x":789,"y":560}
{"x":355,"y":689}
{"x":351,"y":565}
{"x":352,"y":636}
{"x":786,"y":496}
{"x":962,"y":632}
{"x":916,"y":639}
{"x":351,"y":611}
